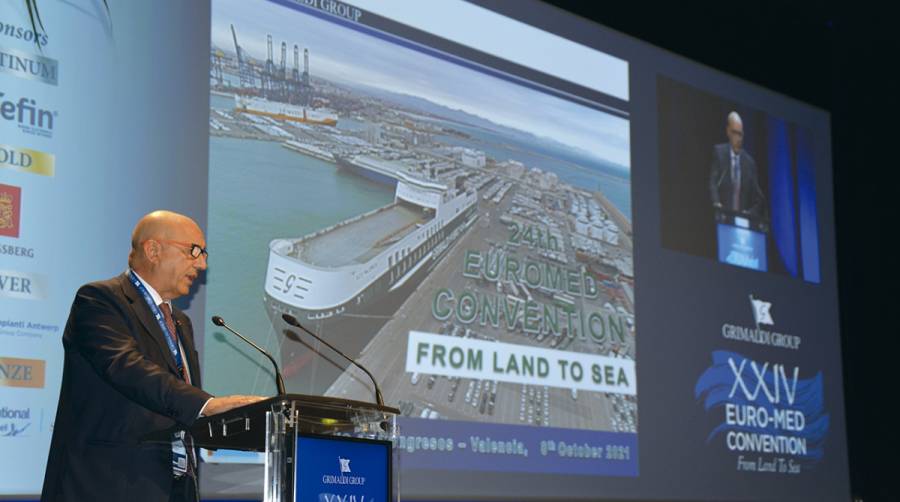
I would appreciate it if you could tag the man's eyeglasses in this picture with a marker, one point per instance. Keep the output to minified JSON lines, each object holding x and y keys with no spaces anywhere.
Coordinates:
{"x":196,"y":249}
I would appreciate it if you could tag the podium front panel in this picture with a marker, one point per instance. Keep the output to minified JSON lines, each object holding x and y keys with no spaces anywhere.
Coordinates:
{"x":311,"y":447}
{"x":342,"y":468}
{"x":742,"y":247}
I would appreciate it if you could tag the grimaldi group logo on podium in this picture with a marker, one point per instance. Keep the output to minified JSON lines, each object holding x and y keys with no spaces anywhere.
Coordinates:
{"x":345,"y":477}
{"x":345,"y":465}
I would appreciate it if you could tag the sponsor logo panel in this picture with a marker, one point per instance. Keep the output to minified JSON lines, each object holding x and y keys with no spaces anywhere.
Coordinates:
{"x":20,"y":251}
{"x":10,"y":221}
{"x":29,"y":115}
{"x":22,"y":285}
{"x":10,"y":210}
{"x":26,"y":160}
{"x":22,"y":329}
{"x":29,"y":66}
{"x":25,"y":373}
{"x":16,"y":421}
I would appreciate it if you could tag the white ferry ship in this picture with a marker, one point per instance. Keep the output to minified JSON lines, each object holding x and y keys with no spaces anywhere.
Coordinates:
{"x":347,"y":280}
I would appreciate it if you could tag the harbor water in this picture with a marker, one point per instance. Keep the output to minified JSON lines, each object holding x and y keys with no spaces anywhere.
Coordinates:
{"x":259,"y":191}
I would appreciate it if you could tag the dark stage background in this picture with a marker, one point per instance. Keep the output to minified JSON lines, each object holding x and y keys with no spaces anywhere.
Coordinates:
{"x":841,"y":58}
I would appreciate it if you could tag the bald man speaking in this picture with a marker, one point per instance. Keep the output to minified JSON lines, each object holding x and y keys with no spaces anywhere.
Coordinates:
{"x":131,"y":368}
{"x":733,"y":178}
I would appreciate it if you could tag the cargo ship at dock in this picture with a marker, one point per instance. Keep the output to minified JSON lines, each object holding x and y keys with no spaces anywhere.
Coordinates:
{"x":345,"y":281}
{"x":283,"y":111}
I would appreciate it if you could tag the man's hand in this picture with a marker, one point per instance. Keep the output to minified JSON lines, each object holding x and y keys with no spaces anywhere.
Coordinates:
{"x":218,"y":405}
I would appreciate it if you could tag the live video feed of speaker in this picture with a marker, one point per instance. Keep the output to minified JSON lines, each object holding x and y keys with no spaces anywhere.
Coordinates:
{"x":737,"y":185}
{"x":466,"y":236}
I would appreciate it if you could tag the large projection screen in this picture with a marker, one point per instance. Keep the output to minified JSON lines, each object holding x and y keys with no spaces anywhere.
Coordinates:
{"x":581,"y":267}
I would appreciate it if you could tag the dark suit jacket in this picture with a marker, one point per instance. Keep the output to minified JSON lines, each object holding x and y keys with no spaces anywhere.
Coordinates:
{"x":752,"y":200}
{"x":119,"y":382}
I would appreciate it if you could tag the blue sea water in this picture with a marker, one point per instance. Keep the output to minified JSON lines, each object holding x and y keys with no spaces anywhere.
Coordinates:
{"x":259,"y":191}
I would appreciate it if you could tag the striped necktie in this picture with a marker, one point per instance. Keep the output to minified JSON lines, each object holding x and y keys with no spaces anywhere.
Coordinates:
{"x":173,"y":333}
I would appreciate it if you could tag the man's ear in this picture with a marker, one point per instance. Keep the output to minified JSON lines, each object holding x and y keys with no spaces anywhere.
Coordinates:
{"x":152,"y":250}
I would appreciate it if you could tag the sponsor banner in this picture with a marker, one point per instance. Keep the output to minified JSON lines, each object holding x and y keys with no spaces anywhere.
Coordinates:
{"x":22,"y":329}
{"x":29,"y":66}
{"x":496,"y":447}
{"x":505,"y":362}
{"x":22,"y":285}
{"x":28,"y":114}
{"x":771,"y":419}
{"x":27,"y":373}
{"x":20,"y":251}
{"x":26,"y":160}
{"x":16,"y":421}
{"x":10,"y":210}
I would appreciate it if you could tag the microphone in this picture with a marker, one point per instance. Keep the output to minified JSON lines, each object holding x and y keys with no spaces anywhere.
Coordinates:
{"x":279,"y":381}
{"x":294,"y":322}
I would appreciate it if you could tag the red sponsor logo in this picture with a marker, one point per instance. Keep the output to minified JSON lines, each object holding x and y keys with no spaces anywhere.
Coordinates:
{"x":10,"y":202}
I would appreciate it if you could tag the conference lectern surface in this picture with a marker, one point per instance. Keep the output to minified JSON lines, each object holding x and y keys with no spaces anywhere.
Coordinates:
{"x":309,"y":444}
{"x":244,"y":428}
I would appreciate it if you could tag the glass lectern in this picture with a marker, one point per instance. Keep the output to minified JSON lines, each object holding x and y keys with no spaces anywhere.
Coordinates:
{"x":316,"y":447}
